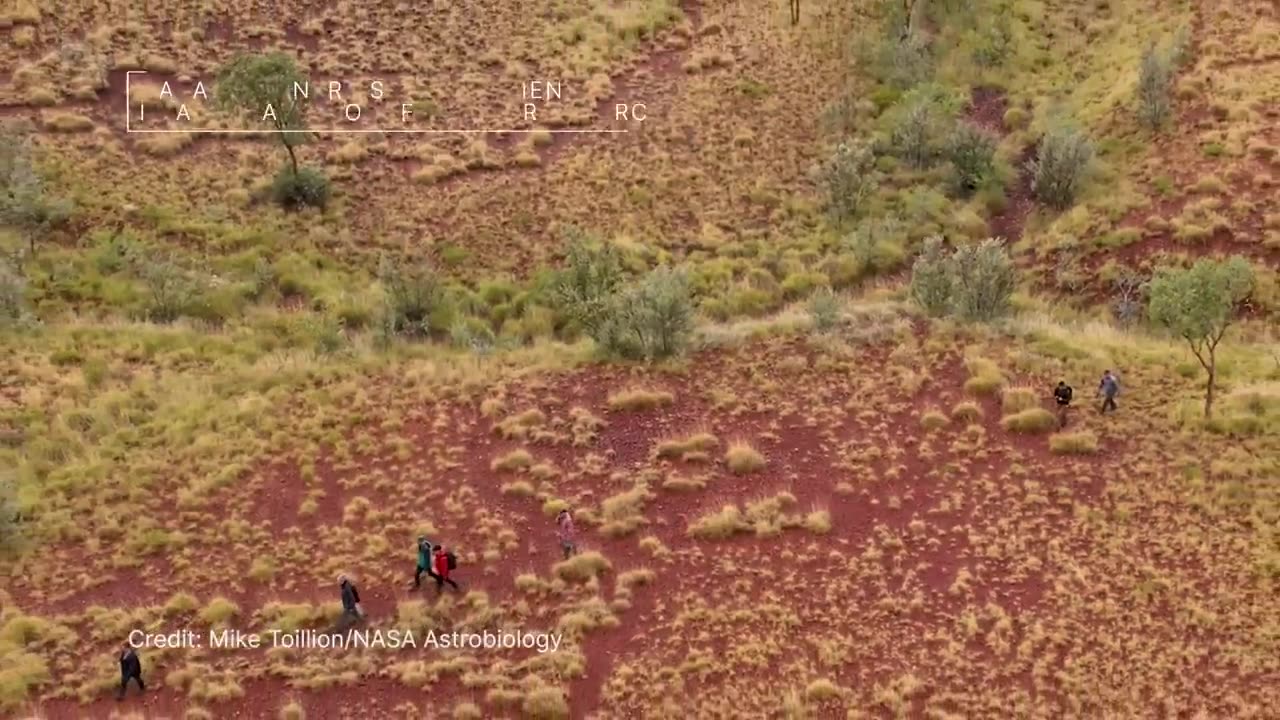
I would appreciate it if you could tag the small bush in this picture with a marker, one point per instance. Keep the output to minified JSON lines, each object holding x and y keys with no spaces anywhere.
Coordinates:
{"x":170,"y":292}
{"x":912,"y":136}
{"x":933,"y":419}
{"x":305,"y":188}
{"x":545,"y":703}
{"x":414,"y":298}
{"x":517,"y":459}
{"x":994,"y":42}
{"x":1059,"y":167}
{"x":10,"y":517}
{"x":966,"y":412}
{"x":701,"y":442}
{"x":901,"y":63}
{"x":219,"y":611}
{"x":1016,"y":399}
{"x":1154,"y":91}
{"x":818,"y":522}
{"x":741,"y":459}
{"x":824,"y":310}
{"x":639,"y":399}
{"x":718,"y":525}
{"x":584,"y":290}
{"x":13,"y":294}
{"x":1032,"y":420}
{"x":582,"y":567}
{"x":821,"y":690}
{"x":972,"y":152}
{"x":1077,"y":443}
{"x":292,"y":710}
{"x":849,"y":178}
{"x":931,"y":279}
{"x":650,"y":320}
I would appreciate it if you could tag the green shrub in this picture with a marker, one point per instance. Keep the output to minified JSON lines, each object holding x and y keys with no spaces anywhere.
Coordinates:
{"x":10,"y":517}
{"x":993,"y":43}
{"x":1059,"y":167}
{"x":650,"y":320}
{"x":849,"y":179}
{"x":413,"y":298}
{"x":972,"y":151}
{"x":799,"y":284}
{"x":170,"y":291}
{"x":13,"y":294}
{"x":933,"y":419}
{"x":983,"y":280}
{"x":584,"y":290}
{"x":1154,"y":91}
{"x":901,"y":62}
{"x":931,"y":278}
{"x":824,"y":309}
{"x":305,"y":188}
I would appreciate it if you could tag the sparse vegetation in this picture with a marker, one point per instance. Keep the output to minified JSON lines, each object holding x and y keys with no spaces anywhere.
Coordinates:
{"x":1059,"y":168}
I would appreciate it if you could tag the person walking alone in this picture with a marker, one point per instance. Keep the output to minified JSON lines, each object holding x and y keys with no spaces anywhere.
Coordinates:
{"x":351,"y":611}
{"x":130,"y":669}
{"x":444,"y":562}
{"x":1062,"y":395}
{"x":1108,"y":389}
{"x":565,"y":532}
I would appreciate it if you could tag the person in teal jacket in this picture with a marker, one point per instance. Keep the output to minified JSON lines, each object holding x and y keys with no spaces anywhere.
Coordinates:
{"x":425,"y":551}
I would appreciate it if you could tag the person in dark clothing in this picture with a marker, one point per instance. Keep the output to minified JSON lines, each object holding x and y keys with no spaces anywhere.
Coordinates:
{"x":1108,"y":389}
{"x":442,"y":569}
{"x":425,"y":556}
{"x":351,"y":611}
{"x":1062,"y":395}
{"x":130,"y":669}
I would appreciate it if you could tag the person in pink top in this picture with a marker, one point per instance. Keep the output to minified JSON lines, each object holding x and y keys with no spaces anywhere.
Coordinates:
{"x":564,"y":530}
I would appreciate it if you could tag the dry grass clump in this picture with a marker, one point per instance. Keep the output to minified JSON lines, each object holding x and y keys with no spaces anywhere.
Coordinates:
{"x":1016,"y":399}
{"x":985,"y":377}
{"x":545,"y":703}
{"x":933,"y":419}
{"x":1076,"y":443}
{"x":967,"y":411}
{"x":742,"y":459}
{"x":764,"y":517}
{"x":582,"y":567}
{"x":822,"y":689}
{"x":66,"y":122}
{"x":718,"y":525}
{"x":1032,"y":420}
{"x":679,"y":483}
{"x":292,"y":710}
{"x":697,"y":443}
{"x":519,"y":425}
{"x":639,"y":399}
{"x":519,"y":488}
{"x":818,"y":522}
{"x":467,"y":711}
{"x":219,"y":611}
{"x":517,"y":459}
{"x":621,"y":514}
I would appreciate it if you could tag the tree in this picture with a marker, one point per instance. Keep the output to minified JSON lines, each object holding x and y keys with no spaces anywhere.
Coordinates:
{"x":1198,"y":304}
{"x":1154,"y":90}
{"x":271,"y":88}
{"x":25,"y":204}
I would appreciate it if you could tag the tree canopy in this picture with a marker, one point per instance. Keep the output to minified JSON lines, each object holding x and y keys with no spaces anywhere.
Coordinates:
{"x":271,"y":89}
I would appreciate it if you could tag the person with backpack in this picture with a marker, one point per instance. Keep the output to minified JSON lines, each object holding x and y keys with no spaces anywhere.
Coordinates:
{"x":130,"y":669}
{"x":1062,"y":395}
{"x":444,"y":562}
{"x":565,"y":532}
{"x":1108,"y":389}
{"x":425,"y":556}
{"x":351,"y":611}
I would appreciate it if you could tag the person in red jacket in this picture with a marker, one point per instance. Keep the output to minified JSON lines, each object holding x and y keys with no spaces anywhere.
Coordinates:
{"x":441,"y":563}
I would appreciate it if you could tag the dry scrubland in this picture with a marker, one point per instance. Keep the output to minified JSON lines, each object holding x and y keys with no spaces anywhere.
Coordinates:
{"x":852,"y":511}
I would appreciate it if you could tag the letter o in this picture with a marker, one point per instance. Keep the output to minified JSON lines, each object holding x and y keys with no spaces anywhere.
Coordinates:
{"x":347,"y":111}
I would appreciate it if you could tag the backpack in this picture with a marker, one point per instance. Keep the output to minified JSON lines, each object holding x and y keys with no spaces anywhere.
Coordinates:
{"x":453,"y":560}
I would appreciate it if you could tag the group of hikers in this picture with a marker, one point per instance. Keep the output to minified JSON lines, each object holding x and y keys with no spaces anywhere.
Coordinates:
{"x":436,"y":561}
{"x":1108,"y":388}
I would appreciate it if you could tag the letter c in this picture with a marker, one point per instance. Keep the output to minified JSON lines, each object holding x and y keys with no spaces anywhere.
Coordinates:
{"x":133,"y":643}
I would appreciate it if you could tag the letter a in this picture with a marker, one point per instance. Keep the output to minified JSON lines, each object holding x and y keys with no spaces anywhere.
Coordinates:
{"x":270,"y":113}
{"x":199,"y":91}
{"x":165,"y":91}
{"x":182,"y":113}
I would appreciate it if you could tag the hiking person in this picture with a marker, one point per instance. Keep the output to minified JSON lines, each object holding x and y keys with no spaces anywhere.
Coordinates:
{"x":1062,"y":394}
{"x":564,"y":531}
{"x":425,"y":553}
{"x":351,"y":611}
{"x":1108,"y":389}
{"x":130,"y":669}
{"x":444,"y":562}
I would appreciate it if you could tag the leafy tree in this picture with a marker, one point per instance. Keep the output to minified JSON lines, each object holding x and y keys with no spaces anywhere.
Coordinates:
{"x":25,"y":203}
{"x":266,"y":87}
{"x":652,"y":319}
{"x":583,"y":291}
{"x":1198,"y":304}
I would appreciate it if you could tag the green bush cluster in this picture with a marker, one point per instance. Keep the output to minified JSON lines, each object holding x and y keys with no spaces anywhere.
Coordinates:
{"x":973,"y":282}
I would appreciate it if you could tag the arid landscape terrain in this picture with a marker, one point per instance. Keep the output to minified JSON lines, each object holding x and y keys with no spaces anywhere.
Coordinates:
{"x":760,"y":344}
